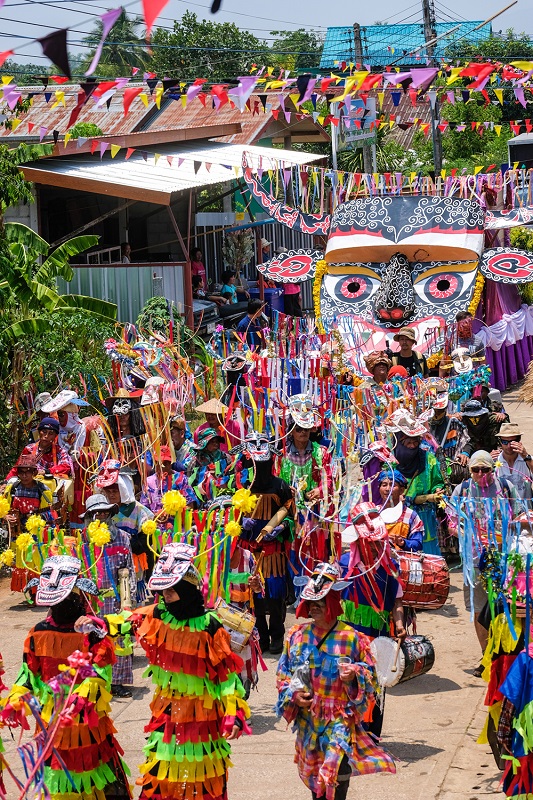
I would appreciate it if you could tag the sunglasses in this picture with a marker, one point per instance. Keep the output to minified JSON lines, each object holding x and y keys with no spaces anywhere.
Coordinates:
{"x":484,"y":470}
{"x":508,"y":441}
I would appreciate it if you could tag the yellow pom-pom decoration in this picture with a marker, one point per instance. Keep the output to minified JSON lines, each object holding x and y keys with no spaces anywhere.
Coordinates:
{"x":243,"y":500}
{"x":98,"y":533}
{"x":149,"y":527}
{"x":233,"y":529}
{"x":7,"y":558}
{"x":35,"y":524}
{"x":5,"y":505}
{"x":173,"y":502}
{"x":24,"y":540}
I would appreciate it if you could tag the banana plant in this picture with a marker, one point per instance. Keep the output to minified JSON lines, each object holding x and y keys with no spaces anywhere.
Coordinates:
{"x":29,"y":287}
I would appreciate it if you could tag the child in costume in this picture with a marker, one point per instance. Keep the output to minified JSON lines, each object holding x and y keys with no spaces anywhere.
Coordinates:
{"x":326,"y":699}
{"x":84,"y":742}
{"x":198,"y":702}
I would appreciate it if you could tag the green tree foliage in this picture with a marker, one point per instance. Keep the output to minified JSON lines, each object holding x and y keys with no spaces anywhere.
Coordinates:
{"x":85,"y":129}
{"x":223,"y":51}
{"x":125,"y":48}
{"x":296,"y":50}
{"x":508,"y":47}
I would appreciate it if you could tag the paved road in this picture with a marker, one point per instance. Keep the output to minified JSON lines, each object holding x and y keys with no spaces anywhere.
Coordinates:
{"x":431,"y":723}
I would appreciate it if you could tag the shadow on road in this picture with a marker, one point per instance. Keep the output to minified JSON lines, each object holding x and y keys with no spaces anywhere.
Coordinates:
{"x":411,"y":751}
{"x":425,"y":684}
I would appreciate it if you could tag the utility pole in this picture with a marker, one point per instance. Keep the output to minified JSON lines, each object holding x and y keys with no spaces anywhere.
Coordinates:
{"x":358,"y":46}
{"x":430,"y":34}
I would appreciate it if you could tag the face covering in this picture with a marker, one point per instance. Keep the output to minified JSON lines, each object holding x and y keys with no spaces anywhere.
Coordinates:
{"x":68,"y":610}
{"x":410,"y":461}
{"x":190,"y":604}
{"x":73,"y":425}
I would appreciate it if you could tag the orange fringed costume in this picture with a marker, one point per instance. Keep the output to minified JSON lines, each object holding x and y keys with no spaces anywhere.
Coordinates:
{"x":86,"y":743}
{"x":198,"y":696}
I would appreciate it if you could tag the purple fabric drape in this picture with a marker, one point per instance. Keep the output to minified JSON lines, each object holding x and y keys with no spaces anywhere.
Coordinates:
{"x":509,"y":364}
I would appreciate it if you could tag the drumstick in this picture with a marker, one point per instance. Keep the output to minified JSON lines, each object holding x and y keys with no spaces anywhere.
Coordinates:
{"x":394,"y":667}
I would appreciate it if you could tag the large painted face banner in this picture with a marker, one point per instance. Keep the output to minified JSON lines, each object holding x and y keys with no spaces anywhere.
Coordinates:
{"x":396,"y":261}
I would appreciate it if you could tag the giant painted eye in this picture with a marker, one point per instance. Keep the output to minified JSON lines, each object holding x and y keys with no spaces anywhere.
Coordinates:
{"x":351,"y":288}
{"x":444,"y":288}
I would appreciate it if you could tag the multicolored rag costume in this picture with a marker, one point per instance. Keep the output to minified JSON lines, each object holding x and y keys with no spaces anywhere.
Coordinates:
{"x":198,"y":693}
{"x":333,"y":725}
{"x":517,"y":690}
{"x":86,"y":758}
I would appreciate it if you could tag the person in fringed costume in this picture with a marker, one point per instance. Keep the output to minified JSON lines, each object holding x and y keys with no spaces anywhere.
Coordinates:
{"x":419,"y":465}
{"x":266,"y":531}
{"x":198,"y":702}
{"x":404,"y":526}
{"x":306,"y":467}
{"x":84,"y":743}
{"x":372,"y":601}
{"x":325,"y":698}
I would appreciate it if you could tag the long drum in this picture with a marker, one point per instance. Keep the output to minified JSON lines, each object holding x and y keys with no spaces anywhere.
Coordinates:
{"x":416,"y":656}
{"x":425,"y":580}
{"x":239,"y":624}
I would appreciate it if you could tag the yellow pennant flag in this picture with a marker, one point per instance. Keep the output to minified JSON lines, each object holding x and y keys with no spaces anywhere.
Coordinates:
{"x":14,"y":124}
{"x":158,"y":95}
{"x":477,"y":169}
{"x":294,"y":98}
{"x":498,"y":129}
{"x":443,"y":173}
{"x":114,"y":150}
{"x":391,"y":123}
{"x":381,"y":98}
{"x":499,"y":95}
{"x":6,"y":79}
{"x":157,"y":156}
{"x":526,"y":66}
{"x":454,"y":75}
{"x":66,"y":140}
{"x":144,"y":98}
{"x":412,"y":176}
{"x":60,"y":98}
{"x":184,"y":100}
{"x":321,"y":120}
{"x":336,"y":78}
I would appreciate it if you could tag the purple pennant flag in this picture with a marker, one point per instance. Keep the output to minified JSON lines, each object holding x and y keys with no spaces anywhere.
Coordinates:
{"x":103,"y":148}
{"x":421,"y":78}
{"x":42,"y":133}
{"x":12,"y":95}
{"x":108,"y":20}
{"x":193,"y":92}
{"x":241,"y":93}
{"x":519,"y":94}
{"x":396,"y":77}
{"x":451,"y":97}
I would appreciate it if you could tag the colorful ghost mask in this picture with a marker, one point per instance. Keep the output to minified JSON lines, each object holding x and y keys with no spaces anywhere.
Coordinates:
{"x":60,"y":575}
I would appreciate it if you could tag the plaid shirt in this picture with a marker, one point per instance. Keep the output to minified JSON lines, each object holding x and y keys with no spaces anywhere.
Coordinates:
{"x":332,"y":726}
{"x":46,"y":462}
{"x":505,"y":725}
{"x":156,"y":486}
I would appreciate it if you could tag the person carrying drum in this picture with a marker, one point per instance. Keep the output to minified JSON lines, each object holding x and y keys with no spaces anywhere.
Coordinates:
{"x":327,"y":682}
{"x":372,"y":601}
{"x":404,"y":526}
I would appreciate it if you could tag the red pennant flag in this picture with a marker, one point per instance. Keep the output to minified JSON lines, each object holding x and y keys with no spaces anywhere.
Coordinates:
{"x":129,"y":152}
{"x":103,"y":87}
{"x":490,"y":167}
{"x":528,"y":125}
{"x":203,"y":98}
{"x":473,"y":125}
{"x":129,"y":96}
{"x":76,"y":110}
{"x":454,"y":172}
{"x":325,"y":84}
{"x":31,"y":126}
{"x":94,"y":144}
{"x":515,"y":128}
{"x":486,"y":96}
{"x":275,"y":112}
{"x":170,"y":160}
{"x":151,"y":11}
{"x":58,"y":78}
{"x":413,"y":95}
{"x":370,"y":81}
{"x":5,"y":55}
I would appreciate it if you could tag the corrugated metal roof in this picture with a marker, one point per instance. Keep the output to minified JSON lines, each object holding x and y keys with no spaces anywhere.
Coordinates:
{"x":385,"y":43}
{"x":171,"y":116}
{"x":256,"y":125}
{"x":112,"y":121}
{"x":146,"y":180}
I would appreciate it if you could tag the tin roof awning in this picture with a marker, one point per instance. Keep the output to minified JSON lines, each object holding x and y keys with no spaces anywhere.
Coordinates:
{"x":156,"y":176}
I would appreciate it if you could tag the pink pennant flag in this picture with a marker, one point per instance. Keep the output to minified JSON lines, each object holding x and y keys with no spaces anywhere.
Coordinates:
{"x":151,"y":11}
{"x":519,"y":94}
{"x":42,"y":133}
{"x":108,"y":20}
{"x":450,"y":96}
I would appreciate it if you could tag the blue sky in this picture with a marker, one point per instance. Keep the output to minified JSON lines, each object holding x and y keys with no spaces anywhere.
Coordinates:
{"x":28,"y":18}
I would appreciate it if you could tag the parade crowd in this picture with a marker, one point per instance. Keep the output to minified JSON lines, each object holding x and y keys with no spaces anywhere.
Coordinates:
{"x":186,"y":520}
